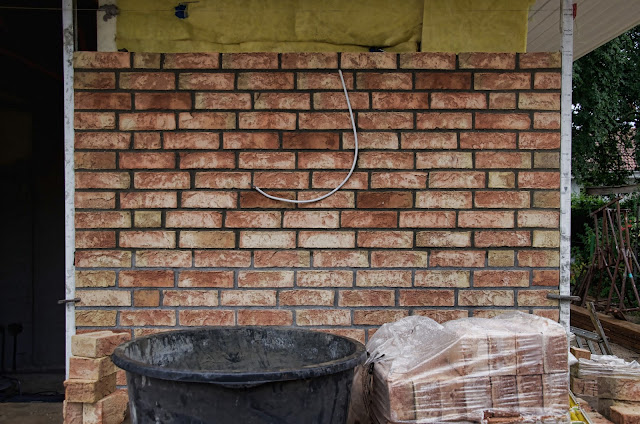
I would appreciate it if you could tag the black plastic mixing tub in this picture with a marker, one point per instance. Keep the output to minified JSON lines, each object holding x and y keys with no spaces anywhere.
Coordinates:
{"x":239,"y":375}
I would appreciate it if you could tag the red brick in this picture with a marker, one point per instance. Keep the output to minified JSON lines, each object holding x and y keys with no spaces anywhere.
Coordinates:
{"x":377,"y":317}
{"x":113,"y":180}
{"x":250,"y":60}
{"x":546,"y":278}
{"x":385,"y":199}
{"x":331,"y":278}
{"x":323,"y":120}
{"x":337,"y":100}
{"x":163,"y":258}
{"x":443,"y":81}
{"x":190,"y":298}
{"x":223,"y":258}
{"x":371,"y":140}
{"x":146,"y":298}
{"x":340,"y":200}
{"x":89,"y":100}
{"x":546,"y":120}
{"x":430,"y":219}
{"x":72,"y":412}
{"x":326,"y":239}
{"x":110,"y":409}
{"x":534,"y":218}
{"x":444,"y":160}
{"x":166,"y":180}
{"x":386,"y":160}
{"x":424,"y":297}
{"x":443,"y":239}
{"x":101,"y":60}
{"x":265,"y":317}
{"x":270,"y":219}
{"x":265,"y":279}
{"x":386,"y":278}
{"x":400,"y":100}
{"x":207,"y":160}
{"x":207,"y":239}
{"x":89,"y":391}
{"x":502,"y":100}
{"x":539,"y":101}
{"x":267,"y":239}
{"x":452,"y":179}
{"x":358,"y":180}
{"x":363,"y":297}
{"x":536,"y":298}
{"x":389,"y":81}
{"x":443,"y":120}
{"x":441,"y":278}
{"x":97,"y":344}
{"x":94,"y":160}
{"x":480,"y":141}
{"x":222,"y":100}
{"x":265,"y":81}
{"x":206,"y":278}
{"x":369,"y":219}
{"x":102,"y":259}
{"x":398,"y":259}
{"x":267,"y":120}
{"x":480,"y":219}
{"x":94,"y":120}
{"x":502,"y":81}
{"x":502,"y":238}
{"x":329,"y":317}
{"x":539,"y":180}
{"x":368,"y":60}
{"x":281,"y":180}
{"x":102,"y":140}
{"x":148,"y":239}
{"x":150,"y":101}
{"x":311,"y":219}
{"x":223,"y":180}
{"x":625,"y":413}
{"x":309,"y":60}
{"x":331,"y":259}
{"x":281,"y":101}
{"x":485,"y":298}
{"x":95,"y":200}
{"x":129,"y":160}
{"x":506,"y":121}
{"x":429,"y":140}
{"x":547,"y":80}
{"x":399,"y":179}
{"x":94,"y":80}
{"x":148,"y":200}
{"x":443,"y":199}
{"x":537,"y":141}
{"x":199,"y":318}
{"x":147,"y":60}
{"x":427,"y":60}
{"x":502,"y":199}
{"x":441,"y":315}
{"x":145,"y":279}
{"x":248,"y":141}
{"x":107,"y":219}
{"x":540,"y":60}
{"x":207,"y":120}
{"x":209,"y":199}
{"x":248,"y":297}
{"x":282,"y":259}
{"x":487,"y":60}
{"x":507,"y":160}
{"x":147,"y":121}
{"x":206,"y":81}
{"x":324,"y":160}
{"x":191,"y":60}
{"x":385,"y":120}
{"x":385,"y":239}
{"x":539,"y":258}
{"x":458,"y":101}
{"x":253,"y":200}
{"x":311,"y":140}
{"x":307,"y":297}
{"x":493,"y":278}
{"x":147,"y":140}
{"x":323,"y":81}
{"x":147,"y":81}
{"x":457,"y":258}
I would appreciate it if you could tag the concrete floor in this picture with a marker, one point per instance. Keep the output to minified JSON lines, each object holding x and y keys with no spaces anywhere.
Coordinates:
{"x":31,"y":413}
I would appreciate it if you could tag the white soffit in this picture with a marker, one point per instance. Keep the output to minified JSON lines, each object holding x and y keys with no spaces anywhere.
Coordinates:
{"x":597,"y":22}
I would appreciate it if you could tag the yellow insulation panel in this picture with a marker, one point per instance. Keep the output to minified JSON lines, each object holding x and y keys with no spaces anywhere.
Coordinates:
{"x":327,"y":25}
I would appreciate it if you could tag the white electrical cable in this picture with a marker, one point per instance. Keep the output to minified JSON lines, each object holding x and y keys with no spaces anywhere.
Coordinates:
{"x":355,"y":158}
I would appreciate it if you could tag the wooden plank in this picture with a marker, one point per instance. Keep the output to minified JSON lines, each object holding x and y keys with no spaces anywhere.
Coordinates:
{"x":624,"y":333}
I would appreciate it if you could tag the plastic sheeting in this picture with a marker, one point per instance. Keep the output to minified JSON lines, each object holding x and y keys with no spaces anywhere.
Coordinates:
{"x":469,"y":370}
{"x":328,"y":25}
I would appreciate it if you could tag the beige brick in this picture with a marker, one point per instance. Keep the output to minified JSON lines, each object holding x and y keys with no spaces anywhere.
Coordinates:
{"x":89,"y":391}
{"x":111,"y":409}
{"x":97,"y":344}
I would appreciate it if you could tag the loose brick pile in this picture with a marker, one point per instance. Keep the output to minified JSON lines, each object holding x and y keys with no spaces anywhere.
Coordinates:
{"x":452,"y":211}
{"x":91,"y":396}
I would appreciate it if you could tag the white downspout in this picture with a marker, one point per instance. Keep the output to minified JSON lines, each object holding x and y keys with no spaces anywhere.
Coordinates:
{"x":69,"y":183}
{"x":565,"y":159}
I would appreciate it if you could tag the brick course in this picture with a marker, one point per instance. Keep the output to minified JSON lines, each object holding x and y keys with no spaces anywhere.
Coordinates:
{"x":453,"y":209}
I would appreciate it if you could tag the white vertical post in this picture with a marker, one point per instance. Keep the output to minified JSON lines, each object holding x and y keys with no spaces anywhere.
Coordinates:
{"x":69,"y":184}
{"x":565,"y":159}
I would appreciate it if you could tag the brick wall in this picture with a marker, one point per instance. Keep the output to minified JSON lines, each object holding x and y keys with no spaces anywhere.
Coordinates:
{"x":451,"y":212}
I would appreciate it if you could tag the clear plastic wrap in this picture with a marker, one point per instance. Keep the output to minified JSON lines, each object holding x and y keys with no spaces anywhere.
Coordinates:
{"x":512,"y":368}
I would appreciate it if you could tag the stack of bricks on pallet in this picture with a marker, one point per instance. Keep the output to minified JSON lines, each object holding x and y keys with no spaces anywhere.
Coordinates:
{"x":619,"y":398}
{"x":488,"y":373}
{"x":91,"y":396}
{"x":582,"y":385}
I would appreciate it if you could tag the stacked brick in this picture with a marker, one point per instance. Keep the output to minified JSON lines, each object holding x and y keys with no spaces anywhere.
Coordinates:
{"x":452,"y":211}
{"x":91,"y":395}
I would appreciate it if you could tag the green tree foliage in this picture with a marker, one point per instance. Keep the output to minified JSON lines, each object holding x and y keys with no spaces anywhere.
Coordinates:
{"x":606,"y":100}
